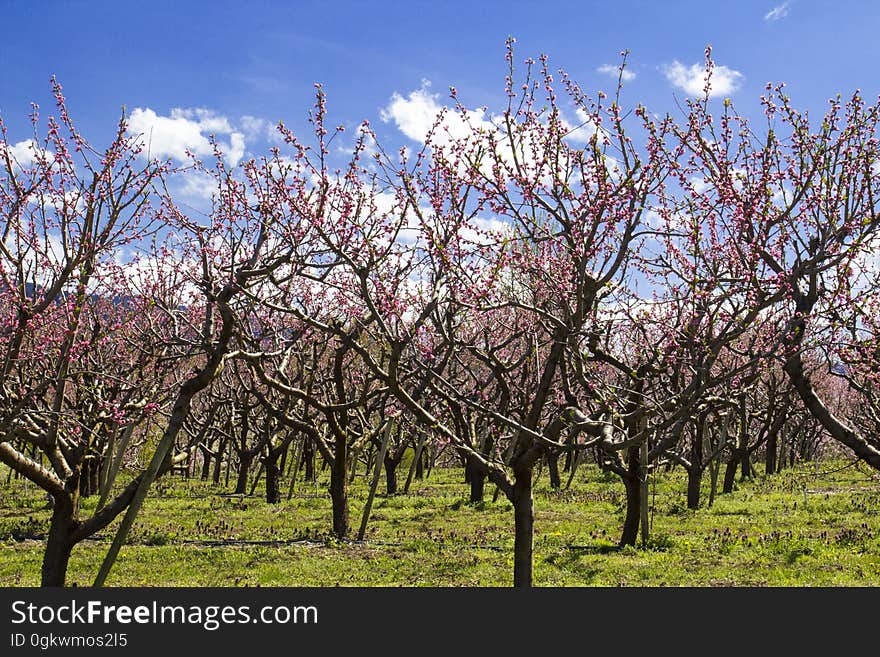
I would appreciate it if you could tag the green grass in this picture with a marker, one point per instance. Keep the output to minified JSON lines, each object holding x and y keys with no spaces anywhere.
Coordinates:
{"x":762,"y":534}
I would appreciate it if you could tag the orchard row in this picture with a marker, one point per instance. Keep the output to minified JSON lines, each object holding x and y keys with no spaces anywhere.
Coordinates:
{"x":691,"y":291}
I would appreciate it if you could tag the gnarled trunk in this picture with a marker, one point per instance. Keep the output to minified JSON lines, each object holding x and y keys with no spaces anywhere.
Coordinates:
{"x":839,"y":430}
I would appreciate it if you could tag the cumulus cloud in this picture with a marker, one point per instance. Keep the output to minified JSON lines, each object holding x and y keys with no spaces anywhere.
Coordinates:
{"x":416,"y":114}
{"x":25,"y":153}
{"x":778,"y":12}
{"x":614,"y":72}
{"x":692,"y":79}
{"x":420,"y":112}
{"x":186,"y":129}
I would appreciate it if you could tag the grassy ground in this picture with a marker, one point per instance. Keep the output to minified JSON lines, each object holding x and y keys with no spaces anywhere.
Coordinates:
{"x":766,"y":533}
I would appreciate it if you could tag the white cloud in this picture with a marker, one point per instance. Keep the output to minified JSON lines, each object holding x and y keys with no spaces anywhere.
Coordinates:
{"x":692,"y":79}
{"x":485,"y":230}
{"x":197,"y":185}
{"x":25,"y":153}
{"x":699,"y":185}
{"x":416,"y":114}
{"x":186,"y":129}
{"x":585,"y":129}
{"x":256,"y":128}
{"x":39,"y":255}
{"x":778,"y":12}
{"x":70,"y":201}
{"x":475,"y":131}
{"x":614,"y":72}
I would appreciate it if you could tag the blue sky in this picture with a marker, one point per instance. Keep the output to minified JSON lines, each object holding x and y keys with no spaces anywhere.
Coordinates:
{"x":260,"y":59}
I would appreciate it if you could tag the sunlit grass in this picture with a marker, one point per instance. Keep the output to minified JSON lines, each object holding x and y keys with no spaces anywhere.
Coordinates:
{"x":192,"y":533}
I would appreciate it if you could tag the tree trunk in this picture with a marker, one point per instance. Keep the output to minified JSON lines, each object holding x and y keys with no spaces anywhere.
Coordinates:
{"x":474,"y":475}
{"x":283,"y":461}
{"x":478,"y":488}
{"x":770,"y":453}
{"x":524,"y":529}
{"x":572,"y":470}
{"x":420,"y":466}
{"x":89,"y":476}
{"x":417,"y":454}
{"x":633,"y":512}
{"x":695,"y":471}
{"x":354,"y":465}
{"x":553,"y":469}
{"x":780,"y":460}
{"x":273,"y":494}
{"x":431,"y":460}
{"x":645,"y":520}
{"x":714,"y":467}
{"x":244,"y":464}
{"x":740,"y":455}
{"x":58,"y":544}
{"x":695,"y":476}
{"x":381,"y":460}
{"x":309,"y":460}
{"x":95,"y":476}
{"x":390,"y":475}
{"x":206,"y":464}
{"x":218,"y":463}
{"x":569,"y":459}
{"x":633,"y":502}
{"x":339,"y":489}
{"x":730,"y":473}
